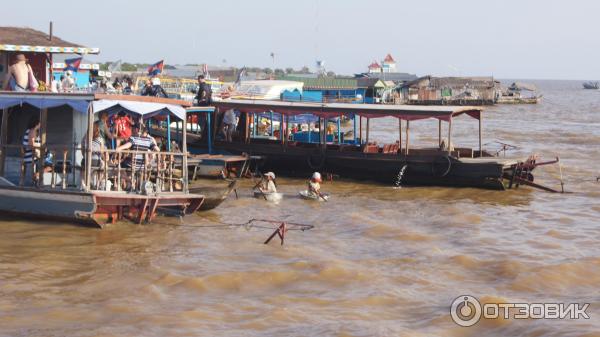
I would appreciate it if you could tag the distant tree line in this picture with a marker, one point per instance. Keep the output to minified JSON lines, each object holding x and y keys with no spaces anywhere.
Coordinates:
{"x":125,"y":66}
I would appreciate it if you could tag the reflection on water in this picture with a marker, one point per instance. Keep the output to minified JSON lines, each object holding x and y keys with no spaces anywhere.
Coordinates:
{"x":381,"y":261}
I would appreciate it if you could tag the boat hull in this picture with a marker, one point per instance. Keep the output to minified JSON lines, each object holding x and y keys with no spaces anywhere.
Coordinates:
{"x":423,"y":170}
{"x":213,"y":195}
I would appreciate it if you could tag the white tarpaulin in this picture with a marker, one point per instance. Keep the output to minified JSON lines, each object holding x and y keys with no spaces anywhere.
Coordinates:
{"x":144,"y":109}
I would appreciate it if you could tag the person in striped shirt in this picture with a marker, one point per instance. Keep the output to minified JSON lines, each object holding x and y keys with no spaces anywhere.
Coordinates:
{"x":31,"y":149}
{"x":142,"y":142}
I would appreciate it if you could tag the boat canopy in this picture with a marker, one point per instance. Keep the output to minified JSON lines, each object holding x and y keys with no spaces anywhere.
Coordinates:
{"x":144,"y":106}
{"x":522,"y":86}
{"x":329,"y":110}
{"x":78,"y":102}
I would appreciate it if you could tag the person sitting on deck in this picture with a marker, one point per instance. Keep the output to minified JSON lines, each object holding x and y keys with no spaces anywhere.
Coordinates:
{"x":142,"y":142}
{"x":123,"y":127}
{"x":68,"y":83}
{"x":314,"y":185}
{"x":104,"y":129}
{"x":19,"y":76}
{"x":267,"y":183}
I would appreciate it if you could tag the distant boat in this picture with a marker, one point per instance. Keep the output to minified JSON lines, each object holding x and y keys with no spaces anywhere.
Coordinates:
{"x":591,"y":85}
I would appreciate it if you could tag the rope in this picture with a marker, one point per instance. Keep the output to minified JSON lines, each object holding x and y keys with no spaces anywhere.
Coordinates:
{"x":291,"y":226}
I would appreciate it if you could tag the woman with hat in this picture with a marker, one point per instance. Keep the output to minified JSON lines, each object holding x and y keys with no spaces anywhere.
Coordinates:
{"x":267,"y":184}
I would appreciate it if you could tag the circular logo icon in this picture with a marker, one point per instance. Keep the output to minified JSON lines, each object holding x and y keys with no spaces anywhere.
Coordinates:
{"x":465,"y":310}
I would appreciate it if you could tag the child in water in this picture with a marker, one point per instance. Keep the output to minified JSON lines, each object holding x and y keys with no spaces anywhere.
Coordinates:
{"x":314,"y":185}
{"x":267,"y":185}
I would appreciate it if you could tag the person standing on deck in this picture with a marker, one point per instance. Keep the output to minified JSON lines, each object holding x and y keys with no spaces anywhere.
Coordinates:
{"x":20,"y":76}
{"x":204,"y":95}
{"x":229,"y":124}
{"x":68,"y":83}
{"x":31,"y":150}
{"x":314,"y":185}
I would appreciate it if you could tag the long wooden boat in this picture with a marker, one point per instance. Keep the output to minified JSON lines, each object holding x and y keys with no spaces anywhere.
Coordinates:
{"x":72,"y":190}
{"x":214,"y":193}
{"x":360,"y":157}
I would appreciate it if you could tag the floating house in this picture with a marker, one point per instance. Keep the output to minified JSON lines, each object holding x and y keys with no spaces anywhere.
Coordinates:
{"x":39,"y":48}
{"x":430,"y":90}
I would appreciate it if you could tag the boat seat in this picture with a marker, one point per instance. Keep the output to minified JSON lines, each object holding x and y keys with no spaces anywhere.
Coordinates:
{"x":371,"y":148}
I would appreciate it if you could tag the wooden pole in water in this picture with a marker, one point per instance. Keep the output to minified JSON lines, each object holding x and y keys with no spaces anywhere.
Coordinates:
{"x":3,"y":139}
{"x":407,"y":134}
{"x":480,"y":135}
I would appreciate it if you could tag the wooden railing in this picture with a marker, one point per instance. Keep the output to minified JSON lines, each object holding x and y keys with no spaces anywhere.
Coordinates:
{"x":154,"y":172}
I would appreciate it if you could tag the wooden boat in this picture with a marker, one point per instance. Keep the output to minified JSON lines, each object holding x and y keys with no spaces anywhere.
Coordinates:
{"x":68,"y":190}
{"x":308,"y":196}
{"x":214,"y":194}
{"x":360,"y":157}
{"x":514,"y":94}
{"x":272,"y":197}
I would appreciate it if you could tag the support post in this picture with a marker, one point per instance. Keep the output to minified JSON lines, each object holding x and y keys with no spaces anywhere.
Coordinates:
{"x":439,"y":132}
{"x":480,"y":134}
{"x":209,"y":126}
{"x":407,"y":136}
{"x":272,"y":122}
{"x":368,"y":120}
{"x":354,"y":128}
{"x":399,"y":135}
{"x":88,"y":152}
{"x":3,"y":140}
{"x":169,"y":133}
{"x":40,"y":162}
{"x":185,"y":156}
{"x":449,"y":135}
{"x":339,"y":129}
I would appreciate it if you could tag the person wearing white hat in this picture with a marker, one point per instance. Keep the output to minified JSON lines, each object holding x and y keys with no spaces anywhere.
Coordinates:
{"x":314,"y":185}
{"x":267,"y":184}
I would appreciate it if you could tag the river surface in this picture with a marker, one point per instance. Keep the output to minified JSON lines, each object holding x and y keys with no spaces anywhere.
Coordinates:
{"x":379,"y":262}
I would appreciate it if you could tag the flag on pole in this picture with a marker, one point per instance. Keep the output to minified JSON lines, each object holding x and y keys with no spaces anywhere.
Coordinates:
{"x":156,"y":68}
{"x":73,"y":64}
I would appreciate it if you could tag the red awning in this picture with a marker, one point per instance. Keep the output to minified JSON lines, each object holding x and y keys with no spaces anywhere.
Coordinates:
{"x":330,"y":110}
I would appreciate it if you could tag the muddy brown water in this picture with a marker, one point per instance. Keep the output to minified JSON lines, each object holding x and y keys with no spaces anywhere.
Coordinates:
{"x":379,"y":262}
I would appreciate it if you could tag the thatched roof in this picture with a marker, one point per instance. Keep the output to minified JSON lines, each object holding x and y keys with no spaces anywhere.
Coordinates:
{"x":30,"y":37}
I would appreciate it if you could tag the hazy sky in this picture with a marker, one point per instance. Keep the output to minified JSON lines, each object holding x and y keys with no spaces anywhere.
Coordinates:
{"x":549,"y":39}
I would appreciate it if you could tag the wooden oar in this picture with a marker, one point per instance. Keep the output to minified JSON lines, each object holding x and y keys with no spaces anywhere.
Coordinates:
{"x":322,"y":197}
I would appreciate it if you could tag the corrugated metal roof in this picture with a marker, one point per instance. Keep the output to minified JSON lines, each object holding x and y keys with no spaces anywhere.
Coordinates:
{"x":325,"y":82}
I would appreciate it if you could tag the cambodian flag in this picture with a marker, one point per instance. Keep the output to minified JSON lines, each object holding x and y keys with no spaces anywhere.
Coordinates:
{"x":73,"y":64}
{"x":156,"y":68}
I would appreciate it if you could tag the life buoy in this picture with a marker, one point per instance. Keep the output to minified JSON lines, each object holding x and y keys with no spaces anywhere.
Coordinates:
{"x":446,"y":166}
{"x":319,"y":163}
